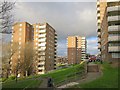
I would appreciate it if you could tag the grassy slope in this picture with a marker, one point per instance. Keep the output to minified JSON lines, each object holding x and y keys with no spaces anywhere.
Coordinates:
{"x":108,"y":80}
{"x":60,"y":75}
{"x":34,"y":81}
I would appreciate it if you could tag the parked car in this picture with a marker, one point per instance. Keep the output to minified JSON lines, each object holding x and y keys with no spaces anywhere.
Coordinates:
{"x":92,"y":58}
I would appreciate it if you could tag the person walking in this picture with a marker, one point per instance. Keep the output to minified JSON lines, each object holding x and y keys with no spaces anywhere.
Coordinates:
{"x":50,"y":82}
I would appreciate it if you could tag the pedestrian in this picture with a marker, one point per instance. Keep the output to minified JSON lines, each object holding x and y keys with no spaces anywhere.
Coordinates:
{"x":50,"y":82}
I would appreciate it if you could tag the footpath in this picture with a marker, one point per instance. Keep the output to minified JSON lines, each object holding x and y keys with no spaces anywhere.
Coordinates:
{"x":92,"y":74}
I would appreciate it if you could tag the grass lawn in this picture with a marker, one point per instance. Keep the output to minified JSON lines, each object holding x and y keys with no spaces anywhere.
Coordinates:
{"x":24,"y":83}
{"x":108,"y":80}
{"x":61,"y":75}
{"x":34,"y":81}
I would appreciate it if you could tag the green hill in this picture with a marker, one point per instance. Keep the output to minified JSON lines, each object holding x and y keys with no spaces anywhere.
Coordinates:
{"x":59,"y":76}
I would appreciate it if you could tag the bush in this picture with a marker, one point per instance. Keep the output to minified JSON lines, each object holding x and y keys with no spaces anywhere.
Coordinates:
{"x":4,"y":79}
{"x":12,"y":77}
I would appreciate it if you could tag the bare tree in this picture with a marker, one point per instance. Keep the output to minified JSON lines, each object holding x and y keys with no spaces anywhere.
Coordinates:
{"x":6,"y":16}
{"x":6,"y":56}
{"x":28,"y":60}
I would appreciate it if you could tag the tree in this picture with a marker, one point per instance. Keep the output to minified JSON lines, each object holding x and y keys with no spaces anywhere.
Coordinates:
{"x":28,"y":60}
{"x":6,"y":56}
{"x":6,"y":16}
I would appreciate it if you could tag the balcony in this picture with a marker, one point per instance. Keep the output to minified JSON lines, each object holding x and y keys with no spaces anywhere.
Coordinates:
{"x":55,"y":37}
{"x":98,"y":2}
{"x":41,"y":63}
{"x":114,"y":49}
{"x":42,"y":31}
{"x":98,"y":15}
{"x":42,"y":40}
{"x":41,"y":72}
{"x":113,"y":8}
{"x":99,"y":21}
{"x":42,"y":35}
{"x":99,"y":46}
{"x":98,"y":8}
{"x":42,"y":44}
{"x":42,"y":26}
{"x":98,"y":39}
{"x":41,"y":53}
{"x":41,"y":67}
{"x":113,"y":18}
{"x":114,"y":28}
{"x":41,"y":58}
{"x":98,"y":34}
{"x":114,"y":38}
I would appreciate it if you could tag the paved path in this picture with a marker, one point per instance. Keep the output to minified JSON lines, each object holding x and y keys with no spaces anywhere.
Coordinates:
{"x":89,"y":77}
{"x":44,"y":83}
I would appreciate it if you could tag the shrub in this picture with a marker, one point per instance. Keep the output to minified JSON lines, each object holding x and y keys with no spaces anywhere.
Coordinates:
{"x":12,"y":77}
{"x":4,"y":79}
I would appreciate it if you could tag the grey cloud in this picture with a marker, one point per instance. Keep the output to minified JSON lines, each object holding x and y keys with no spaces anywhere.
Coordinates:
{"x":78,"y":18}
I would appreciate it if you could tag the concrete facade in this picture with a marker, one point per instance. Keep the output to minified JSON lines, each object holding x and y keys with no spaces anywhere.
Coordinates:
{"x":108,"y":31}
{"x":76,"y":49}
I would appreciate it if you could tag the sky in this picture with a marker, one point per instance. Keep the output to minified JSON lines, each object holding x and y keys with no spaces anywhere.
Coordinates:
{"x":68,"y":18}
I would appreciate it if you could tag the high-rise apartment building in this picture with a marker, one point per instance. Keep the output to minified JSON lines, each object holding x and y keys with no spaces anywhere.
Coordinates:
{"x":101,"y":7}
{"x":109,"y":32}
{"x":22,"y":33}
{"x":45,"y":43}
{"x":76,"y":49}
{"x":43,"y":38}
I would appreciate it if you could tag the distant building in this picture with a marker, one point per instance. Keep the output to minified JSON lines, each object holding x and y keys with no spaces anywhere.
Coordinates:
{"x":108,"y":29}
{"x":76,"y":49}
{"x":61,"y":60}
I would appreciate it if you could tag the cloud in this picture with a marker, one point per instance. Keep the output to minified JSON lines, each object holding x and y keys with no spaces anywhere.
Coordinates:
{"x":76,"y":18}
{"x":92,"y":45}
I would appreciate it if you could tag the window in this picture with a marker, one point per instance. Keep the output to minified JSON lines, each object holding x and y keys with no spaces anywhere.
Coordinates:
{"x":12,"y":40}
{"x":36,"y":26}
{"x":19,"y":43}
{"x":20,"y":24}
{"x":20,"y":29}
{"x":19,"y":38}
{"x":36,"y":30}
{"x":12,"y":27}
{"x":115,"y":55}
{"x":19,"y":56}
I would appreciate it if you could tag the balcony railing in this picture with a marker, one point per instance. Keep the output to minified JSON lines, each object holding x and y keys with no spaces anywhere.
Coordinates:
{"x":42,"y":40}
{"x":42,"y":31}
{"x":99,"y":46}
{"x":41,"y":58}
{"x":41,"y":72}
{"x":114,"y":49}
{"x":98,"y":33}
{"x":113,"y":8}
{"x":113,"y":18}
{"x":98,"y":39}
{"x":114,"y":28}
{"x":42,"y":44}
{"x":114,"y":38}
{"x":41,"y":67}
{"x":42,"y":35}
{"x":43,"y":26}
{"x":98,"y":8}
{"x":98,"y":15}
{"x":41,"y":63}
